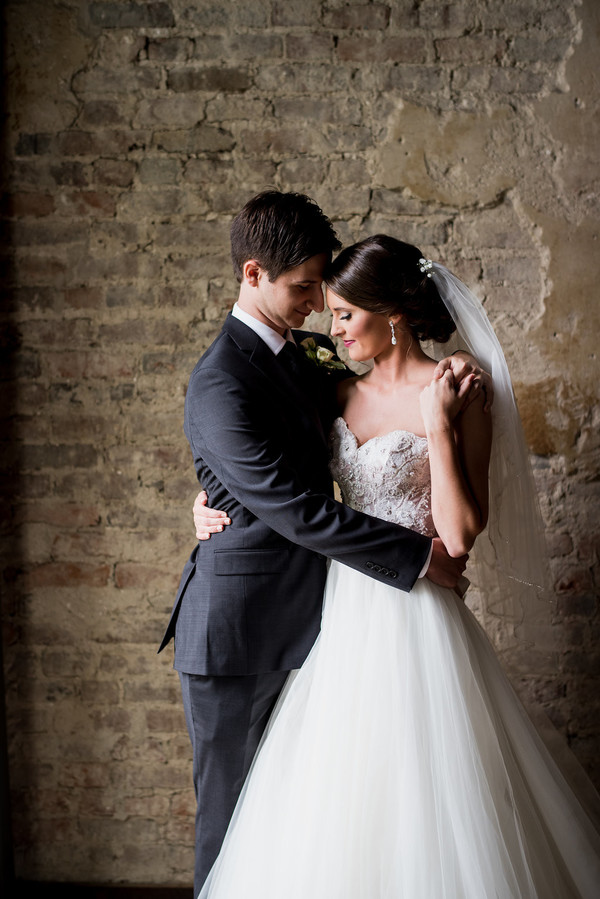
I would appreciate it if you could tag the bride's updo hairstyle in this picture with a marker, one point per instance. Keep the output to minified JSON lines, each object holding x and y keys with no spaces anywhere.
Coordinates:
{"x":382,"y":274}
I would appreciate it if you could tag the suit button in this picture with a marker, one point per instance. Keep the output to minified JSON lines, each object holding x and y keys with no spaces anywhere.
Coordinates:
{"x":369,"y":564}
{"x":377,"y":567}
{"x":393,"y":574}
{"x":385,"y":571}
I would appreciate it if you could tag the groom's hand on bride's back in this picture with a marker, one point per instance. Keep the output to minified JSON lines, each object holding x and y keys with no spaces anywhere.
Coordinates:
{"x":443,"y":569}
{"x":207,"y":521}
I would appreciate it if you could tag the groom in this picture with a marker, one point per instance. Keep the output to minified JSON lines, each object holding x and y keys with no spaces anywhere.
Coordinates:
{"x":257,"y":413}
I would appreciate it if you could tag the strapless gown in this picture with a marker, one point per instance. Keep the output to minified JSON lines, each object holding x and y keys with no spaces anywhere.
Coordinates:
{"x":399,"y":761}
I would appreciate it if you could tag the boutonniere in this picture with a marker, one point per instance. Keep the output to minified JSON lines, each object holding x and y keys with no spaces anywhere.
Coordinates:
{"x":320,"y":355}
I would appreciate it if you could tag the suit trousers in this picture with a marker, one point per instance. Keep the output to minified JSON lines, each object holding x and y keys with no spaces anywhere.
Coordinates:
{"x":226,"y":718}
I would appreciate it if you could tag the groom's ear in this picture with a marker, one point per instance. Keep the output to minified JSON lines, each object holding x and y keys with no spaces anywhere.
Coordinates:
{"x":251,"y":271}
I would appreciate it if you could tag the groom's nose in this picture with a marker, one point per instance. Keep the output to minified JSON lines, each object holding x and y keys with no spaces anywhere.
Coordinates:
{"x":316,"y":301}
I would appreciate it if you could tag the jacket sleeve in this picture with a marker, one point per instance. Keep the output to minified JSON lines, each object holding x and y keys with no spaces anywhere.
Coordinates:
{"x":221,"y":425}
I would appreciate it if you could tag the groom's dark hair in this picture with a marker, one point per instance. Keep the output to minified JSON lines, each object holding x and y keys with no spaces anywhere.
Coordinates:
{"x":280,"y":231}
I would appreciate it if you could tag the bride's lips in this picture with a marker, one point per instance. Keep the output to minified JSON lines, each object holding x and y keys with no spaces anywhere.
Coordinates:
{"x":348,"y":343}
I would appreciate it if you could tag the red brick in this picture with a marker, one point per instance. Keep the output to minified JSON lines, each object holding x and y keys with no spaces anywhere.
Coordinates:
{"x":34,"y":298}
{"x":130,"y":574}
{"x":47,"y":831}
{"x":141,"y":333}
{"x":83,"y":297}
{"x":88,"y":202}
{"x":169,"y":777}
{"x":117,"y":720}
{"x":39,"y":271}
{"x":83,"y":774}
{"x":395,"y":49}
{"x":59,"y":514}
{"x":470,"y":50}
{"x":102,"y":113}
{"x":95,"y":804}
{"x":36,"y":456}
{"x":114,"y":172}
{"x":155,"y":807}
{"x":169,"y":49}
{"x":309,"y":46}
{"x":60,"y":333}
{"x":218,"y":78}
{"x":71,"y":173}
{"x":55,"y":803}
{"x":112,"y":14}
{"x":82,"y":364}
{"x":183,"y":804}
{"x":306,"y":13}
{"x":64,"y":663}
{"x":374,"y":16}
{"x":100,"y":692}
{"x":150,"y":693}
{"x":165,"y":720}
{"x":180,"y":830}
{"x":51,"y":232}
{"x":28,"y":204}
{"x":67,"y":574}
{"x":101,"y":143}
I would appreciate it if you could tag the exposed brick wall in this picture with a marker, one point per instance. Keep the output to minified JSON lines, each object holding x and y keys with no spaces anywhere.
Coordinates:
{"x":135,"y":131}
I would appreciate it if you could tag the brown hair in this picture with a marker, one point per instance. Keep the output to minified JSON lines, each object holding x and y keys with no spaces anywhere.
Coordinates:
{"x":280,"y":231}
{"x":382,"y":274}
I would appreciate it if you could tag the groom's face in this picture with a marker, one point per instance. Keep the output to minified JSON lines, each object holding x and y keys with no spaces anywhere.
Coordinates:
{"x":285,"y":302}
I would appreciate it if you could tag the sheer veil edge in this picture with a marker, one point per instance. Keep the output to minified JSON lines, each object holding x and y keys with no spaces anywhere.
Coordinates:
{"x":510,"y":557}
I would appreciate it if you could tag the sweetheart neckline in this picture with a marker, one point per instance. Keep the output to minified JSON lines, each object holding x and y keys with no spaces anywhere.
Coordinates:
{"x":377,"y":436}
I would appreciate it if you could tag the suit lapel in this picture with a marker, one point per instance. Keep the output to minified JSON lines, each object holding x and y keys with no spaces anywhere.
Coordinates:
{"x":262,"y":358}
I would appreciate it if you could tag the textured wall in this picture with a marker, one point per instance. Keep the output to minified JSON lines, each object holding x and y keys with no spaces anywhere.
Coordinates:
{"x":135,"y":131}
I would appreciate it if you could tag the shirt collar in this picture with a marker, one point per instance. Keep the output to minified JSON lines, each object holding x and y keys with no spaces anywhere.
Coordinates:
{"x":272,"y":338}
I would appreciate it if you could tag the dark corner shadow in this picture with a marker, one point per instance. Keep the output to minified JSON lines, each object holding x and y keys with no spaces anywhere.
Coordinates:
{"x":29,"y":889}
{"x":8,"y":487}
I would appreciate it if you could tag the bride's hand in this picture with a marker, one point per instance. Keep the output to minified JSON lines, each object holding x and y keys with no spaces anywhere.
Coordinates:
{"x":442,"y":400}
{"x":465,"y":367}
{"x":206,"y":520}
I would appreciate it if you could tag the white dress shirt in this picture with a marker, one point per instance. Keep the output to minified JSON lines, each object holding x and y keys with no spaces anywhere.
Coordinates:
{"x":272,"y":338}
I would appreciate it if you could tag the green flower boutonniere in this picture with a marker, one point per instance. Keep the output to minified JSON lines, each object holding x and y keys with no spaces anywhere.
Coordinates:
{"x":320,"y":355}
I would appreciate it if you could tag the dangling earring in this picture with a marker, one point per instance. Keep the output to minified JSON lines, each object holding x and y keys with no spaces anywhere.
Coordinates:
{"x":394,"y":341}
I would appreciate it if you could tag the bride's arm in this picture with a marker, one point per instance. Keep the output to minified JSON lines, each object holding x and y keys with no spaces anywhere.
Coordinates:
{"x":459,"y":453}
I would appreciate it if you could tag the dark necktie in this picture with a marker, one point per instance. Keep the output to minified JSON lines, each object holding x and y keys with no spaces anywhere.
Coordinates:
{"x":289,"y":356}
{"x":300,"y":370}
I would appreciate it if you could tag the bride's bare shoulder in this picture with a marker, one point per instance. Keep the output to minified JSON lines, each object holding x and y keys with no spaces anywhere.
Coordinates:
{"x":346,"y":388}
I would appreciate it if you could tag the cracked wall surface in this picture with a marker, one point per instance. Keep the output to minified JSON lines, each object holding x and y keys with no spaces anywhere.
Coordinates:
{"x":134,"y":132}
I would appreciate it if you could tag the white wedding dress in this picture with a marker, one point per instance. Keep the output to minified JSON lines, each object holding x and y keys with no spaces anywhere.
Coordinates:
{"x":399,"y":762}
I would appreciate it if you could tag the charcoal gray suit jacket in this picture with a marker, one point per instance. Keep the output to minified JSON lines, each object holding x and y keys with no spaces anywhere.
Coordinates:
{"x":250,"y":598}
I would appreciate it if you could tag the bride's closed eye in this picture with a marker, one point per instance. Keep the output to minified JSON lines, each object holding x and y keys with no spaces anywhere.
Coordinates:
{"x":346,"y":317}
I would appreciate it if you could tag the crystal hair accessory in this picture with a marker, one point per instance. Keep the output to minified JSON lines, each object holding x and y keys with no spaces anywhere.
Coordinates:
{"x":425,"y":266}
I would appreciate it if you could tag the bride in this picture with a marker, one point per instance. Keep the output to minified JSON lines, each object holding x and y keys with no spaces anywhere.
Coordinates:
{"x":399,"y":762}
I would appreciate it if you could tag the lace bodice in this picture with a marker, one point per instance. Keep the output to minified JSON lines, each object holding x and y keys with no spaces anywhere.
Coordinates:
{"x":387,"y":476}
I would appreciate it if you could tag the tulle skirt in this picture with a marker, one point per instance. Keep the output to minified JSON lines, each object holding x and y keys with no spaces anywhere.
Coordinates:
{"x":400,"y":763}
